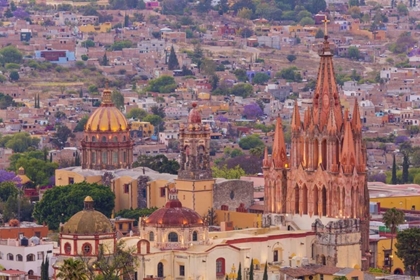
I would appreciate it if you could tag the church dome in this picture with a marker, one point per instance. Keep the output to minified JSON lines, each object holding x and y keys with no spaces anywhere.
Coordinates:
{"x":174,"y":215}
{"x":194,"y":116}
{"x":107,"y":118}
{"x":88,"y":221}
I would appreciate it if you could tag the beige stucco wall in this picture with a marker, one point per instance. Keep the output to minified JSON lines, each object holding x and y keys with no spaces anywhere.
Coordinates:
{"x":197,"y":195}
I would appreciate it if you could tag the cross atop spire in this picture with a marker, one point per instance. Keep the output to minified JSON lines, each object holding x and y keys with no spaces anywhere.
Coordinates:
{"x":325,"y":21}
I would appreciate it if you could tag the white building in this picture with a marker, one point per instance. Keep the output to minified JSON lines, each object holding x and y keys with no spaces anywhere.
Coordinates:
{"x":151,"y":45}
{"x":25,"y":254}
{"x":166,"y":136}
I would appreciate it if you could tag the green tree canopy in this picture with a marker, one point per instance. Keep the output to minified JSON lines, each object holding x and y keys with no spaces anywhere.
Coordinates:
{"x":8,"y":189}
{"x":173,"y":60}
{"x":81,"y":124}
{"x":88,"y":44}
{"x":291,"y":57}
{"x":159,"y":163}
{"x":10,"y":54}
{"x":14,"y":76}
{"x":117,"y":99}
{"x":19,"y":142}
{"x":227,"y":173}
{"x":163,"y":84}
{"x":59,"y":204}
{"x":241,"y":75}
{"x":136,"y":113}
{"x":353,"y":52}
{"x":250,"y":141}
{"x":408,"y":249}
{"x":135,"y":213}
{"x":36,"y":168}
{"x":261,"y":78}
{"x":319,"y":34}
{"x":242,"y":89}
{"x":74,"y":269}
{"x":6,"y":101}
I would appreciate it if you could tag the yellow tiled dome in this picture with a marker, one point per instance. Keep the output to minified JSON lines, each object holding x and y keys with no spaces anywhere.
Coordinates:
{"x":107,"y":117}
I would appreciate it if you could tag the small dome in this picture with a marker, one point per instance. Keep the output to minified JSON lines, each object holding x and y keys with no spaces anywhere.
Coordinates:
{"x":88,"y":221}
{"x":174,"y":215}
{"x":194,"y":116}
{"x":106,"y":118}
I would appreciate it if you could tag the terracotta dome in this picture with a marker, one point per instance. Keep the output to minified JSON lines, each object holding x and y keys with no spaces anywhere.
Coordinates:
{"x":88,"y":221}
{"x":174,"y":215}
{"x":194,"y":116}
{"x":107,"y":117}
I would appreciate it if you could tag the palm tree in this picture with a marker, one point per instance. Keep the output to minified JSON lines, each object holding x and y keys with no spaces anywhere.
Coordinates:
{"x":72,"y":270}
{"x":392,"y":218}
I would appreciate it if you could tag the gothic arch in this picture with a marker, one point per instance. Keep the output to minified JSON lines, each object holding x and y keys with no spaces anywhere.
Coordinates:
{"x":324,"y":154}
{"x":296,"y":199}
{"x":343,"y":201}
{"x":352,"y":204}
{"x":316,"y":153}
{"x":304,"y":200}
{"x":324,"y":201}
{"x":315,"y":194}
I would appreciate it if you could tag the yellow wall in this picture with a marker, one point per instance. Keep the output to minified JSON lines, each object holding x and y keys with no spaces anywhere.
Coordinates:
{"x":197,"y":195}
{"x":125,"y":200}
{"x":154,"y":198}
{"x":215,"y":108}
{"x":380,"y":258}
{"x":143,"y":126}
{"x":239,"y":219}
{"x":62,"y":177}
{"x":102,"y":28}
{"x":400,"y":202}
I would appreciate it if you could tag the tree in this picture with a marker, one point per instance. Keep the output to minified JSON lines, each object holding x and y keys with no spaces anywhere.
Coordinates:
{"x":163,"y":84}
{"x":6,"y":101}
{"x":405,"y":166}
{"x":10,"y":54}
{"x":317,"y":6}
{"x":135,"y":213}
{"x":159,"y":163}
{"x":394,"y":171}
{"x":227,"y":173}
{"x":61,"y":136}
{"x":136,"y":113}
{"x":241,"y":75}
{"x":244,"y":90}
{"x":214,"y":81}
{"x":249,"y":164}
{"x":245,"y":13}
{"x":119,"y":265}
{"x":260,"y":78}
{"x":173,"y":60}
{"x":72,"y":269}
{"x":8,"y":189}
{"x":53,"y":211}
{"x":392,"y":218}
{"x":252,"y":111}
{"x":155,"y":120}
{"x":291,"y":57}
{"x":402,"y":9}
{"x":239,"y":272}
{"x":306,"y":21}
{"x":289,"y":74}
{"x":353,"y":52}
{"x":158,"y":111}
{"x":211,"y":217}
{"x":250,"y":141}
{"x":105,"y":61}
{"x":408,"y":249}
{"x":265,"y":274}
{"x":354,"y":3}
{"x":18,"y":207}
{"x":118,"y":99}
{"x":208,"y":66}
{"x":14,"y":76}
{"x":81,"y":124}
{"x":88,"y":44}
{"x":319,"y":34}
{"x":19,"y":142}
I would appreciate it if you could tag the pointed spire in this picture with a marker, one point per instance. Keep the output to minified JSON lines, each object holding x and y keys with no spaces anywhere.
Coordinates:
{"x":355,"y":121}
{"x":348,"y":158}
{"x":266,"y":160}
{"x":306,"y":118}
{"x":279,"y":148}
{"x":332,"y":124}
{"x":326,"y":89}
{"x":296,"y":124}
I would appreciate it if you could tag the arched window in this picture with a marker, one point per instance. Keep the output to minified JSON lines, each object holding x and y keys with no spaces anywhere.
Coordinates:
{"x":124,"y":138}
{"x":194,"y":236}
{"x":93,"y":155}
{"x":160,"y":269}
{"x":172,"y":237}
{"x":19,"y":258}
{"x":30,"y":258}
{"x":10,"y":257}
{"x":151,"y":236}
{"x":93,"y":139}
{"x":67,"y":248}
{"x":31,"y":272}
{"x":87,"y":249}
{"x":220,"y":267}
{"x":103,"y":139}
{"x":323,"y":260}
{"x":115,"y":139}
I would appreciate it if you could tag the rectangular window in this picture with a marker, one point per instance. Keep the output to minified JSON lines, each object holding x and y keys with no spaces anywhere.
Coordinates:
{"x":104,"y":158}
{"x":162,"y":192}
{"x":387,"y":258}
{"x":93,"y":157}
{"x":115,"y":158}
{"x":181,"y":270}
{"x":120,"y":226}
{"x":275,"y":256}
{"x":71,"y":180}
{"x":355,"y":278}
{"x":321,"y":277}
{"x":40,"y":255}
{"x":124,"y":157}
{"x":126,"y":188}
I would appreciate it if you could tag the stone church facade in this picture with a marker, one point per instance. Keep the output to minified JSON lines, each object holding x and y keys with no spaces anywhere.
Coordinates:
{"x":324,"y":179}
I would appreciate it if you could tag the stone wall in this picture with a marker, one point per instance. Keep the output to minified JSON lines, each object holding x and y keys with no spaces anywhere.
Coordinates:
{"x":232,"y":193}
{"x":142,"y":191}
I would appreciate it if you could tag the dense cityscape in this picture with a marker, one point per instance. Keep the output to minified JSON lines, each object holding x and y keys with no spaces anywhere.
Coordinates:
{"x":209,"y":139}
